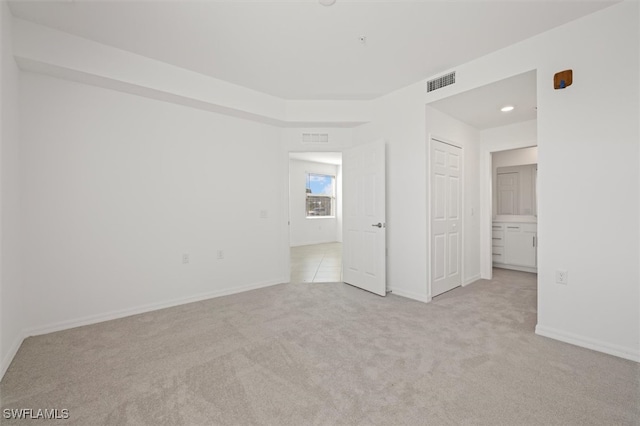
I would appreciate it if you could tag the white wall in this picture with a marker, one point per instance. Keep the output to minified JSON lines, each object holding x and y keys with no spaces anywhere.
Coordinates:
{"x":117,"y":187}
{"x":11,"y":288}
{"x":515,"y":157}
{"x":588,"y":179}
{"x":301,"y":111}
{"x":303,"y":230}
{"x":510,"y":137}
{"x":513,"y":136}
{"x":401,"y":120}
{"x":588,"y":174}
{"x":46,"y":50}
{"x":109,"y":213}
{"x":398,"y":118}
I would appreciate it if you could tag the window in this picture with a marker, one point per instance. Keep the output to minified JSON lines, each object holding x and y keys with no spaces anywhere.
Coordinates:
{"x":321,"y":198}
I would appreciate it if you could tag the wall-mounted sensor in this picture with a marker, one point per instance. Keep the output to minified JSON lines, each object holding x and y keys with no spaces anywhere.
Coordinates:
{"x":562,"y":79}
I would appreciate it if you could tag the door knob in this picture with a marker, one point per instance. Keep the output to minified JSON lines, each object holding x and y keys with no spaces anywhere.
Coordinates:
{"x":379,"y":225}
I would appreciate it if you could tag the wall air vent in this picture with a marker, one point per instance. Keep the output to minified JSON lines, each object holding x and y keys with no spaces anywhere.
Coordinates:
{"x":440,"y":82}
{"x":315,"y":138}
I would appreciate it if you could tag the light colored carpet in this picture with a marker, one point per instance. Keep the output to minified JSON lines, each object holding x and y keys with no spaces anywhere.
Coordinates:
{"x":305,"y":354}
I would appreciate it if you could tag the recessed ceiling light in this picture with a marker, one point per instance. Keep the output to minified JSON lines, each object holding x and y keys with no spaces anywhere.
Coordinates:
{"x":507,"y":108}
{"x":327,"y":2}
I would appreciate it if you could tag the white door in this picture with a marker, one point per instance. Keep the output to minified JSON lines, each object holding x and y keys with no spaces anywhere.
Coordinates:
{"x":364,"y":228}
{"x":446,"y":217}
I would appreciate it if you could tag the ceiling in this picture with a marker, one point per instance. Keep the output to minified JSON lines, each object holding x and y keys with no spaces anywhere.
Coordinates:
{"x":480,"y":107}
{"x":299,"y":49}
{"x":334,"y":158}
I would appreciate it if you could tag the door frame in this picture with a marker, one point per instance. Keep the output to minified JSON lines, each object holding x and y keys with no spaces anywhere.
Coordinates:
{"x":286,"y":200}
{"x":486,"y":201}
{"x":430,"y":139}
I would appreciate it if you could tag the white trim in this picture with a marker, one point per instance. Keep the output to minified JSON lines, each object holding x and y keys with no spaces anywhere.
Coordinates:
{"x":286,"y":195}
{"x":486,"y":199}
{"x":470,"y":280}
{"x":516,"y":268}
{"x":586,"y":342}
{"x":6,"y":362}
{"x":410,"y":295}
{"x":93,"y":319}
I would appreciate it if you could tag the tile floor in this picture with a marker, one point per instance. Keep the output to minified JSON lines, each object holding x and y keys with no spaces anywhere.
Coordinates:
{"x":318,"y":263}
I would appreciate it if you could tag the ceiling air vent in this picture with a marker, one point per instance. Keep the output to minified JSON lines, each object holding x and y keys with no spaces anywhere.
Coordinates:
{"x":440,"y":82}
{"x":315,"y":138}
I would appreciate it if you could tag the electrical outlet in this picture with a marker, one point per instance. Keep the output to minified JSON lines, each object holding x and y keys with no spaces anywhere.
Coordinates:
{"x":220,"y":254}
{"x":185,"y":258}
{"x":562,"y":276}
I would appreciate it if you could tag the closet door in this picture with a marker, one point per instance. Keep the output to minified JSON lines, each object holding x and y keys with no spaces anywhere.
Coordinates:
{"x":446,"y":217}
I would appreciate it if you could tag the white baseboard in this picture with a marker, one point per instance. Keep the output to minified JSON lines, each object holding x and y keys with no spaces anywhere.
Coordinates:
{"x":313,"y":243}
{"x":410,"y":295}
{"x":6,"y":361}
{"x":471,"y":280}
{"x":589,"y":343}
{"x":516,"y":268}
{"x":107,"y":316}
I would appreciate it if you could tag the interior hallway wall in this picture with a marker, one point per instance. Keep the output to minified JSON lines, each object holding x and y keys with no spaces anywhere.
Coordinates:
{"x":584,"y":146}
{"x":12,"y":317}
{"x":588,"y":177}
{"x":118,"y":187}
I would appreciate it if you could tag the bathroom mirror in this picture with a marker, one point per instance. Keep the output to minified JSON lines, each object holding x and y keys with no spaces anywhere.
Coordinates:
{"x":515,"y":190}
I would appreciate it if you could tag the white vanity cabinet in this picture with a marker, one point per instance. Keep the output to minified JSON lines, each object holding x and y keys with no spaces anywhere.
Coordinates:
{"x":515,"y":245}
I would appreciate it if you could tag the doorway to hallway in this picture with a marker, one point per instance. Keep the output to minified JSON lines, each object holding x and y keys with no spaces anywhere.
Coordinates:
{"x":315,"y":216}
